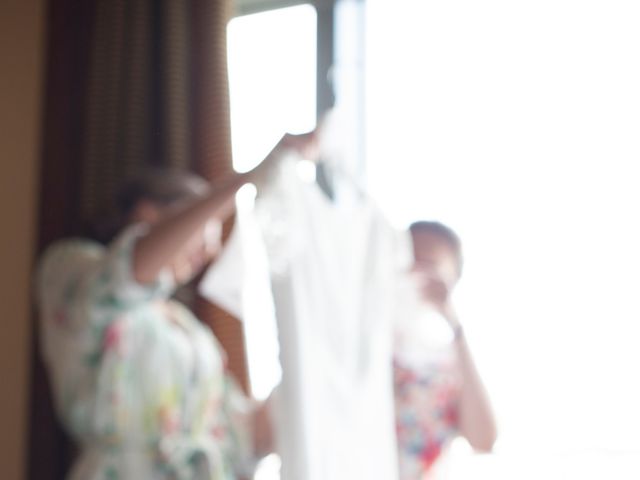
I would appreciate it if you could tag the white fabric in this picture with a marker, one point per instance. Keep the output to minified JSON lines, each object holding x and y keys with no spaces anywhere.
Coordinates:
{"x":334,"y":270}
{"x":239,"y":282}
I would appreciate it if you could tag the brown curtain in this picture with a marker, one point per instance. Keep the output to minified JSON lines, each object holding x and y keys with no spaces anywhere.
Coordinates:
{"x":129,"y":83}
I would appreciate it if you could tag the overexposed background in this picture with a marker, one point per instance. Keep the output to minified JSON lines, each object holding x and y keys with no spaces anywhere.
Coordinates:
{"x":518,"y":124}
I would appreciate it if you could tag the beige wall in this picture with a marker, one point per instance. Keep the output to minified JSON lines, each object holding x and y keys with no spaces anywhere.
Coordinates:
{"x":21,"y":68}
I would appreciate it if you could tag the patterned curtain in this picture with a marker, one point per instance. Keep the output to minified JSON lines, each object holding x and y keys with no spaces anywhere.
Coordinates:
{"x":129,"y":83}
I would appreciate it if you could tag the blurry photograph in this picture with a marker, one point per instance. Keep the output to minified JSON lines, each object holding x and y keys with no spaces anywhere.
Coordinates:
{"x":320,"y":240}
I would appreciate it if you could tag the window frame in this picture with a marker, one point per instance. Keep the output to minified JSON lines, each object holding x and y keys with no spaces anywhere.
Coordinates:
{"x":325,"y":10}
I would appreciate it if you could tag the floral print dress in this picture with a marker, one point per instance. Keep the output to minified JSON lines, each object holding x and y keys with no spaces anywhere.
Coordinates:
{"x":426,"y":417}
{"x":138,"y":381}
{"x":427,"y":385}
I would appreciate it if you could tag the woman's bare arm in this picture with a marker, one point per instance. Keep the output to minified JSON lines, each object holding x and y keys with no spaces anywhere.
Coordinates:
{"x":166,"y":239}
{"x":163,"y":243}
{"x":477,"y":421}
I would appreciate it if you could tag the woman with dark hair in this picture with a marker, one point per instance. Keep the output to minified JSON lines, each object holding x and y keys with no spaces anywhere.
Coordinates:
{"x":138,"y":381}
{"x":438,"y":391}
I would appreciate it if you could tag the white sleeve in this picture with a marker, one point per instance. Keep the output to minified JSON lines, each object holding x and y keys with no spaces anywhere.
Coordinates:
{"x":239,"y":281}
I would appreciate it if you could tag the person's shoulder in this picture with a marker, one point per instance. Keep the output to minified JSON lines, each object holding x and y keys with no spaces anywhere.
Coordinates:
{"x":70,"y":248}
{"x":68,"y":253}
{"x":62,"y":263}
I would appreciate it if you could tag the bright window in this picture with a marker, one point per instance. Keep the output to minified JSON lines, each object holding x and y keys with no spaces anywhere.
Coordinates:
{"x":272,"y":79}
{"x":517,"y":123}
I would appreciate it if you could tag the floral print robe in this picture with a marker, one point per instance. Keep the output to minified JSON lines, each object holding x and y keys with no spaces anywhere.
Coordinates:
{"x":138,"y":381}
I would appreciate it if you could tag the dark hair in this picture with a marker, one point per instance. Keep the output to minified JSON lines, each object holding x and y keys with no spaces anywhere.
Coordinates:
{"x":443,"y":232}
{"x":159,"y":185}
{"x":163,"y":186}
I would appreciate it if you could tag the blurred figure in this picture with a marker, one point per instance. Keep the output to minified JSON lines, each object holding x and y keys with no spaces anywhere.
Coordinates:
{"x":438,"y":392}
{"x":138,"y":381}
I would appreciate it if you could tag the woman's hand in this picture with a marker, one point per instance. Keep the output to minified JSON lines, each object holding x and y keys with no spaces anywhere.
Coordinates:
{"x":437,"y":293}
{"x":178,"y":238}
{"x":306,"y":145}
